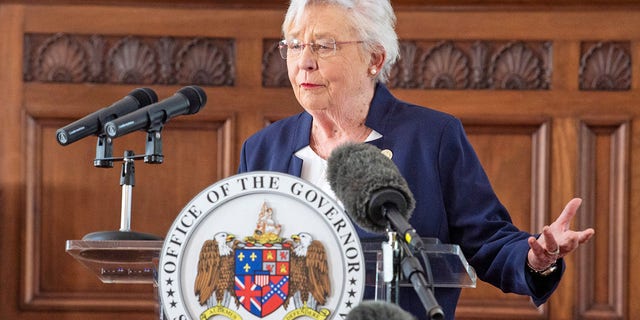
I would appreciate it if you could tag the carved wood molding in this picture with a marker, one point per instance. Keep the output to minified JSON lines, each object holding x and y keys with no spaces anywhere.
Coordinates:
{"x":452,"y":65}
{"x":463,"y":65}
{"x":602,"y":277}
{"x":514,"y":65}
{"x":424,"y":64}
{"x":72,"y":58}
{"x":274,"y":68}
{"x":605,"y":66}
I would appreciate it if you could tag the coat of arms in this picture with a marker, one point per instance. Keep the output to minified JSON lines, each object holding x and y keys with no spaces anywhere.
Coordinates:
{"x":263,"y":273}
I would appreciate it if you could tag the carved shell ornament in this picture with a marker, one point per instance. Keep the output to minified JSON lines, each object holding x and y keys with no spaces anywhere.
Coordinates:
{"x":274,"y":68}
{"x":515,"y":67}
{"x":606,"y":66}
{"x":202,"y":62}
{"x":96,"y":49}
{"x":61,"y":59}
{"x":479,"y":57}
{"x":166,"y":48}
{"x":445,"y":67}
{"x":132,"y":61}
{"x":402,"y":73}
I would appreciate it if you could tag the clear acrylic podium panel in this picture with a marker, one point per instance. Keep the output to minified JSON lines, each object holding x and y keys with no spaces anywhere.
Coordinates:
{"x":448,"y":265}
{"x":118,"y":261}
{"x":131,"y":261}
{"x":136,"y":261}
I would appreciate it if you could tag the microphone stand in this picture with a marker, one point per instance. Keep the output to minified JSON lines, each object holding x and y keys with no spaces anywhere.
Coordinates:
{"x":388,"y":203}
{"x":153,"y":147}
{"x":391,"y":267}
{"x":104,"y":159}
{"x":104,"y":152}
{"x":413,"y":271}
{"x":127,"y":181}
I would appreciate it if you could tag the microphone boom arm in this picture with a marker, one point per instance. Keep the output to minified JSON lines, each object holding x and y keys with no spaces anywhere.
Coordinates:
{"x":413,"y":271}
{"x":386,"y":204}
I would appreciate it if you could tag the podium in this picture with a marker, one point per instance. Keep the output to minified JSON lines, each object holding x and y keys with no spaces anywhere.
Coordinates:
{"x":136,"y":262}
{"x":118,"y":261}
{"x":221,"y":215}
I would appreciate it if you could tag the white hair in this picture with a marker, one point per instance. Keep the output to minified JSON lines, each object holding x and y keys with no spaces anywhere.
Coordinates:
{"x":373,"y":20}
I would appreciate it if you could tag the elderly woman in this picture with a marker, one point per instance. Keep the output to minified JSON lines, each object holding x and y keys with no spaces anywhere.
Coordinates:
{"x":339,"y":53}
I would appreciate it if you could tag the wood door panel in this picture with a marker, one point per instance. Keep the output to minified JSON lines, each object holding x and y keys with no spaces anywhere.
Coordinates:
{"x":514,"y":154}
{"x":574,"y":133}
{"x":70,"y":198}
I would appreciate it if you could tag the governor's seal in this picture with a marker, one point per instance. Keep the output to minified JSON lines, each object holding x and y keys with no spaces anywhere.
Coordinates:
{"x":261,"y":245}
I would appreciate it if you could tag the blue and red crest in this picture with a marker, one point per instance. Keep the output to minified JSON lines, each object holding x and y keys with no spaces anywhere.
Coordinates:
{"x":262,"y":278}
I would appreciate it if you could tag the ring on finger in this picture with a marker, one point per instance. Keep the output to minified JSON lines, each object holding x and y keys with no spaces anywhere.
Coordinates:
{"x":554,"y":252}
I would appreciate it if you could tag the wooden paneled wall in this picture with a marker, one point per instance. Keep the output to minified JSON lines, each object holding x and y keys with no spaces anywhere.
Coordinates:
{"x":548,"y":93}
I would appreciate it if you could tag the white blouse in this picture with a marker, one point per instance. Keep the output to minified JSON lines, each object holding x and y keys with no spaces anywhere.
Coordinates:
{"x":314,"y":168}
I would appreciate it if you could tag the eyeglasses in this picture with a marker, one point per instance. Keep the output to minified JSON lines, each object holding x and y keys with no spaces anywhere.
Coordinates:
{"x":322,"y":47}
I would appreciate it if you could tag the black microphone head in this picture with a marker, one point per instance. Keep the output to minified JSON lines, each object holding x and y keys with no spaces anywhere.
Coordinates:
{"x":378,"y":310}
{"x":93,"y":123}
{"x":144,"y":96}
{"x":196,"y":96}
{"x":356,"y":171}
{"x":188,"y":100}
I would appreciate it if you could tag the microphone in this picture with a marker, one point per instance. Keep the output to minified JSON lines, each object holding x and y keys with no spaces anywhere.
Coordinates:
{"x":372,"y":190}
{"x":378,"y":310}
{"x":187,"y":100}
{"x":375,"y":195}
{"x":92,"y":123}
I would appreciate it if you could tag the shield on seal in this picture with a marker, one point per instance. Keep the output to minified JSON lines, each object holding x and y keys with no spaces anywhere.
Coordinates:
{"x":262,"y":278}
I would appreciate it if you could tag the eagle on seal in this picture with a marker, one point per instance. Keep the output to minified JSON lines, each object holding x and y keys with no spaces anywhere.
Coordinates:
{"x":309,"y":273}
{"x":214,"y":284}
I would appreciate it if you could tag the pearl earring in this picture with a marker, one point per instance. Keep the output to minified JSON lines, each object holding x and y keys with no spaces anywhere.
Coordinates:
{"x":373,"y":71}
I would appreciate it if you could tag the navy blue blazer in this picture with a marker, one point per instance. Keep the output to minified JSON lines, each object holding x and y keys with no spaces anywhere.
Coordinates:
{"x":454,"y":199}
